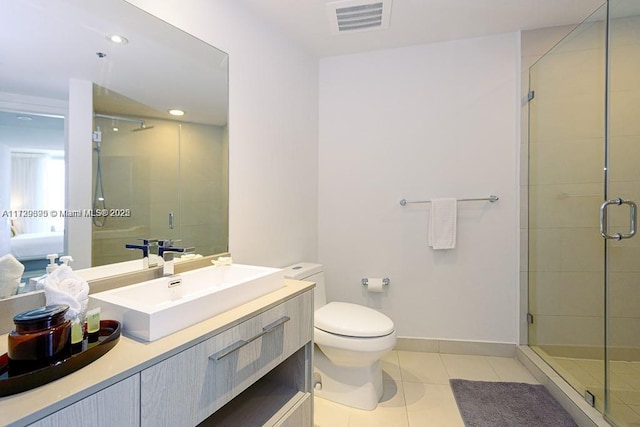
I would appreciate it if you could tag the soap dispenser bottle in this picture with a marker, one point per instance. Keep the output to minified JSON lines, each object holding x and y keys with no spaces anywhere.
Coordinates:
{"x":37,"y":283}
{"x":65,"y":260}
{"x":52,"y":262}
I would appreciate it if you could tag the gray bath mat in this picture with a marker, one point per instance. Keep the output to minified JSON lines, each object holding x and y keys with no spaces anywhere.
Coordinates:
{"x":502,"y":404}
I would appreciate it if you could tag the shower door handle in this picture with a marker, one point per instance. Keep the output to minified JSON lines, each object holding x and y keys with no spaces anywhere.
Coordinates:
{"x":632,"y":219}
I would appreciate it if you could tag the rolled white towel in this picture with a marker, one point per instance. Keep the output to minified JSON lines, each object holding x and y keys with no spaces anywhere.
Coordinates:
{"x":63,"y":286}
{"x":10,"y":274}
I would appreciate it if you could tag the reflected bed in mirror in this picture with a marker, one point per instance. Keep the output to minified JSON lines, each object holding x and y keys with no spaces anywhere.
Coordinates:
{"x":157,"y":176}
{"x":32,"y":157}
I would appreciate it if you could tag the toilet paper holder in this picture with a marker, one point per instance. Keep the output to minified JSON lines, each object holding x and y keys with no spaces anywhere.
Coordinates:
{"x":385,"y":281}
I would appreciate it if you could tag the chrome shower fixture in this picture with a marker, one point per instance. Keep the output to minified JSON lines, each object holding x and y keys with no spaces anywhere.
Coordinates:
{"x":142,"y":123}
{"x":143,"y":126}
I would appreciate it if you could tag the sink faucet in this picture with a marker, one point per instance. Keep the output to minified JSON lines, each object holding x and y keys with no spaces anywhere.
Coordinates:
{"x":144,"y":247}
{"x":167,"y":252}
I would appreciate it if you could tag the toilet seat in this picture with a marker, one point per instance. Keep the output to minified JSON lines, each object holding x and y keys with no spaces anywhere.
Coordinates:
{"x":337,"y":318}
{"x":354,"y":344}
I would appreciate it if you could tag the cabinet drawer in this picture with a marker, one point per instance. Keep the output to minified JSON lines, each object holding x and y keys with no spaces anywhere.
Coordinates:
{"x":188,"y":387}
{"x":299,"y":415}
{"x":117,"y":405}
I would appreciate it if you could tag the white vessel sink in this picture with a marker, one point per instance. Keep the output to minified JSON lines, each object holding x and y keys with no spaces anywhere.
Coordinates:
{"x":153,"y":309}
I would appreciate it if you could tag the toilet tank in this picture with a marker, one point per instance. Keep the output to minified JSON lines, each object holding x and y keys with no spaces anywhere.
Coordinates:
{"x":311,"y":273}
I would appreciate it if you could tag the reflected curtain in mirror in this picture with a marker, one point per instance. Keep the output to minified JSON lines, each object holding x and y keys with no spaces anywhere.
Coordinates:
{"x":37,"y":185}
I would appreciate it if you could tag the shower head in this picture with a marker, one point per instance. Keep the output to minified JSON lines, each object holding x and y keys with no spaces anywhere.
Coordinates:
{"x":140,"y":122}
{"x":142,"y":127}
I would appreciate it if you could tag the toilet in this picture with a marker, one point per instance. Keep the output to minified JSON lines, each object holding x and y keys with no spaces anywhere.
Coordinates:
{"x":350,"y":341}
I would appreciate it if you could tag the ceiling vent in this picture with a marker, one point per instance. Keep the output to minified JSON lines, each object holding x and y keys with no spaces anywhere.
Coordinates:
{"x":350,"y":16}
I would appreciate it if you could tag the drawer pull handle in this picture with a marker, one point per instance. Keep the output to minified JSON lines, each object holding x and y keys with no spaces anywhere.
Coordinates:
{"x":239,"y":344}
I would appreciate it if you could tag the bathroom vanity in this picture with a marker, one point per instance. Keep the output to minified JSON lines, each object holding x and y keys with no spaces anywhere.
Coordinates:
{"x":251,"y":365}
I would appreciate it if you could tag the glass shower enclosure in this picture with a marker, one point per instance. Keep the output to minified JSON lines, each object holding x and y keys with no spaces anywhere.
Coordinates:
{"x":584,"y":183}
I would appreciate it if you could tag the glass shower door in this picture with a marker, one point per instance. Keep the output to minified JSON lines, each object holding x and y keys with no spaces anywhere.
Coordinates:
{"x":566,"y":251}
{"x":622,"y":192}
{"x":140,"y":180}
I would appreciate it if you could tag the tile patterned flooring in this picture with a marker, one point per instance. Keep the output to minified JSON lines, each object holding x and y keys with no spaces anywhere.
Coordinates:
{"x":589,"y":374}
{"x":417,"y":391}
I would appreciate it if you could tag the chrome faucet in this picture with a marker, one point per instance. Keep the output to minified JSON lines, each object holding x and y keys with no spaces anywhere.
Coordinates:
{"x":167,"y":252}
{"x":144,"y":247}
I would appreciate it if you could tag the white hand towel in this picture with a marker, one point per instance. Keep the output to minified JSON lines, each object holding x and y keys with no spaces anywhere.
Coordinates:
{"x":10,"y":274}
{"x":442,"y":223}
{"x":63,"y":286}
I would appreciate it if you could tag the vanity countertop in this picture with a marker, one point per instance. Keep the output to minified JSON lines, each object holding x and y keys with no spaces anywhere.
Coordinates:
{"x":129,"y":357}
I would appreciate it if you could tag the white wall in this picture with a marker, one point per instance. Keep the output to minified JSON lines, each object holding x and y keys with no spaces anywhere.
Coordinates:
{"x":418,"y":122}
{"x":78,"y":163}
{"x":273,"y":130}
{"x":421,"y":122}
{"x":5,"y":197}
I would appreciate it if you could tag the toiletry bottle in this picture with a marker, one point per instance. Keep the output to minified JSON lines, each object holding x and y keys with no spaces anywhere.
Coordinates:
{"x":78,"y":342}
{"x":93,"y":324}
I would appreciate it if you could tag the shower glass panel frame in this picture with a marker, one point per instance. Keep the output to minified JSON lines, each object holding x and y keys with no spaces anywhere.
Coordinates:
{"x":583,"y":269}
{"x":622,"y":179}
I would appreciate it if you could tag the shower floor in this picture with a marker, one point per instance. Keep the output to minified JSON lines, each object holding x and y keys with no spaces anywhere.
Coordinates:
{"x":588,"y":375}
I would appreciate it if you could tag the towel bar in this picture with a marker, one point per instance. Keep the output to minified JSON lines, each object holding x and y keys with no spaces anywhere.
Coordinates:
{"x":491,"y":199}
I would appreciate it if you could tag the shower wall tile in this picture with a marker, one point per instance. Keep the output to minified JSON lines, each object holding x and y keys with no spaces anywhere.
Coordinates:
{"x":625,"y":31}
{"x":197,"y":213}
{"x":589,"y":35}
{"x":623,"y":332}
{"x":567,"y":293}
{"x":565,"y":249}
{"x":567,"y":161}
{"x":624,"y":295}
{"x":568,"y":74}
{"x":625,"y":66}
{"x":163,"y":190}
{"x":564,"y":205}
{"x":624,"y":152}
{"x":582,"y":331}
{"x":544,"y":249}
{"x":624,"y":256}
{"x":205,"y":238}
{"x":582,"y":249}
{"x":581,"y":114}
{"x":624,"y":112}
{"x":536,"y":43}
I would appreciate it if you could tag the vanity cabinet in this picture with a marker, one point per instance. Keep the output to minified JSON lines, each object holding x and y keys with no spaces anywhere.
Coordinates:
{"x":249,"y":366}
{"x":117,"y":405}
{"x":257,"y":372}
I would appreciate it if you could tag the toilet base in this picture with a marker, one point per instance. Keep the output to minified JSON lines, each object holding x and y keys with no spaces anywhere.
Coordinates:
{"x":358,"y":387}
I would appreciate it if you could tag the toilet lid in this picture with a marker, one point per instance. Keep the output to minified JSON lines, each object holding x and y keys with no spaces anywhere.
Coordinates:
{"x":352,"y":320}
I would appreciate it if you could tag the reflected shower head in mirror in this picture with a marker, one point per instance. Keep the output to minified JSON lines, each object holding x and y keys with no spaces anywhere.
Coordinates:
{"x":143,"y":126}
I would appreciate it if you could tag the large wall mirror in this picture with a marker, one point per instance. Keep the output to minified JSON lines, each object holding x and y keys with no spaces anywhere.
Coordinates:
{"x":143,"y":172}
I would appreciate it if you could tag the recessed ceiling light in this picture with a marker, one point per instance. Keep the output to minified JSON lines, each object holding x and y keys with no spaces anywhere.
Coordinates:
{"x":176,"y":112}
{"x":118,"y":39}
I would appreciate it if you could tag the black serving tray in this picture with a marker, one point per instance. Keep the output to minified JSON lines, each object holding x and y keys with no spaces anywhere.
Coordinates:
{"x":108,"y":337}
